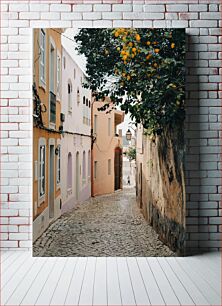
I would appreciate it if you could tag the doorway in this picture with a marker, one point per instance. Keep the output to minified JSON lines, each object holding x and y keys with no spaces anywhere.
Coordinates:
{"x":141,"y":185}
{"x":77,"y":175}
{"x":118,"y":168}
{"x":51,"y":180}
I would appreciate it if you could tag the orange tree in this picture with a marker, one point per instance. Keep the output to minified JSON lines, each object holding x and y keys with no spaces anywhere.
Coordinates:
{"x":142,"y":70}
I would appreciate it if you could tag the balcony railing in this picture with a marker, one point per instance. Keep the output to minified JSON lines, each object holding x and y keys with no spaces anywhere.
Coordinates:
{"x":52,"y":107}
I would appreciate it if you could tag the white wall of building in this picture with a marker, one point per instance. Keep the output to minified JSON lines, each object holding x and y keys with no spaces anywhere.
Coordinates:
{"x":76,"y":141}
{"x":129,"y":169}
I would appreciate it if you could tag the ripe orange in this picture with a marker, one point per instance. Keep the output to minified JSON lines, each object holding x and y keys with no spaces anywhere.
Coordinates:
{"x":137,"y":37}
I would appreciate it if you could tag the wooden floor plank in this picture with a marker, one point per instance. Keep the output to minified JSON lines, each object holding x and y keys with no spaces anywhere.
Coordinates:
{"x":139,"y":288}
{"x":166,"y":289}
{"x":152,"y":288}
{"x":86,"y":295}
{"x":210,"y":260}
{"x":100,"y":283}
{"x":126,"y":289}
{"x":15,"y":280}
{"x":112,"y":281}
{"x":181,"y":293}
{"x":208,"y":292}
{"x":75,"y":286}
{"x":190,"y":286}
{"x":113,"y":286}
{"x":5,"y":255}
{"x":62,"y":287}
{"x":39,"y":282}
{"x":47,"y":292}
{"x":214,"y":280}
{"x":11,"y":261}
{"x":17,"y":296}
{"x":13,"y":269}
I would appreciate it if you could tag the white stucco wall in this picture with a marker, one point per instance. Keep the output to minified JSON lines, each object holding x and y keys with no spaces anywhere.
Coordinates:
{"x":78,"y":139}
{"x":129,"y":170}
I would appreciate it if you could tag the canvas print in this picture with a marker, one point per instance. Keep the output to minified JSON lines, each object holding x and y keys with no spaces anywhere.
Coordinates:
{"x":108,"y":142}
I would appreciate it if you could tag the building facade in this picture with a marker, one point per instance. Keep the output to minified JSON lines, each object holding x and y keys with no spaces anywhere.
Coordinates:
{"x":47,"y":100}
{"x":107,"y":149}
{"x":76,"y":135}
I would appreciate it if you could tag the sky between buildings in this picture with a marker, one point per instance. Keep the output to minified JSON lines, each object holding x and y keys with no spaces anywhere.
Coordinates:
{"x":69,"y":44}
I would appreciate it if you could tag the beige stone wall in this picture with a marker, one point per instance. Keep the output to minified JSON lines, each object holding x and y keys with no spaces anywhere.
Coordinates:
{"x":161,"y":187}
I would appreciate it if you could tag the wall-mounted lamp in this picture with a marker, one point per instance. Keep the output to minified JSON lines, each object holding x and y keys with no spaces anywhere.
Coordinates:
{"x":128,"y":135}
{"x":57,"y":150}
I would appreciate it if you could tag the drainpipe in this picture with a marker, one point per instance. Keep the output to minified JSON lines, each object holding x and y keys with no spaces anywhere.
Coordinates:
{"x":92,"y":174}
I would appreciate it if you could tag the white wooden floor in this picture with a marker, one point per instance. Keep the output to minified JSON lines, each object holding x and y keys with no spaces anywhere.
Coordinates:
{"x":26,"y":280}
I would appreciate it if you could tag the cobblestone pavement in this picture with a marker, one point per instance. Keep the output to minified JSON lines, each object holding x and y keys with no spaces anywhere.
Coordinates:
{"x":109,"y":225}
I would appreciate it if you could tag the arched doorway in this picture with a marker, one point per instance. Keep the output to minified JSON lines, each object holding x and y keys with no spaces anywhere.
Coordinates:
{"x":118,"y":168}
{"x":77,"y":175}
{"x":69,"y":174}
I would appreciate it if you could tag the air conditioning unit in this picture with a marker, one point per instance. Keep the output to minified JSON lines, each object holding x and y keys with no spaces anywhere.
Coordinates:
{"x":62,"y":117}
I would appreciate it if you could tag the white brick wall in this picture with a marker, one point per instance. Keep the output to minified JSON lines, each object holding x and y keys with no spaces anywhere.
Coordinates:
{"x":201,"y":19}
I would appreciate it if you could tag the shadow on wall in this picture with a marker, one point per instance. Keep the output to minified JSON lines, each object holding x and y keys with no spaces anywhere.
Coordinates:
{"x":192,"y":155}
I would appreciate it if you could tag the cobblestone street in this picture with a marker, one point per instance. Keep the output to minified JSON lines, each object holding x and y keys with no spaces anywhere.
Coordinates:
{"x":109,"y":225}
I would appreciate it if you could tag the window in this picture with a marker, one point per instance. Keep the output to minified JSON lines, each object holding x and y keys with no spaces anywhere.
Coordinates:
{"x":109,"y":166}
{"x":52,"y":68}
{"x":58,"y":179}
{"x":69,"y":172}
{"x":95,"y":169}
{"x":89,"y":164}
{"x":84,"y":166}
{"x":109,"y":126}
{"x":58,"y":75}
{"x":95,"y":124}
{"x":74,"y":73}
{"x":84,"y":100}
{"x":52,"y":83}
{"x":89,"y":103}
{"x":78,"y":96}
{"x":69,"y":97}
{"x":41,"y":170}
{"x":42,"y":61}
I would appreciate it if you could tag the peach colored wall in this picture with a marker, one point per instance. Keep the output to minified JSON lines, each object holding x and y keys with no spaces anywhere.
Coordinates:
{"x":104,"y":148}
{"x":44,"y":96}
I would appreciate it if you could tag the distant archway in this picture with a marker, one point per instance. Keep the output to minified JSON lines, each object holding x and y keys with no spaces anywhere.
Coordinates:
{"x":118,"y":168}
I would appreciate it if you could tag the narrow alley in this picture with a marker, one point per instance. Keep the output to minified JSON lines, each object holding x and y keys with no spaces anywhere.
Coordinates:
{"x":110,"y":225}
